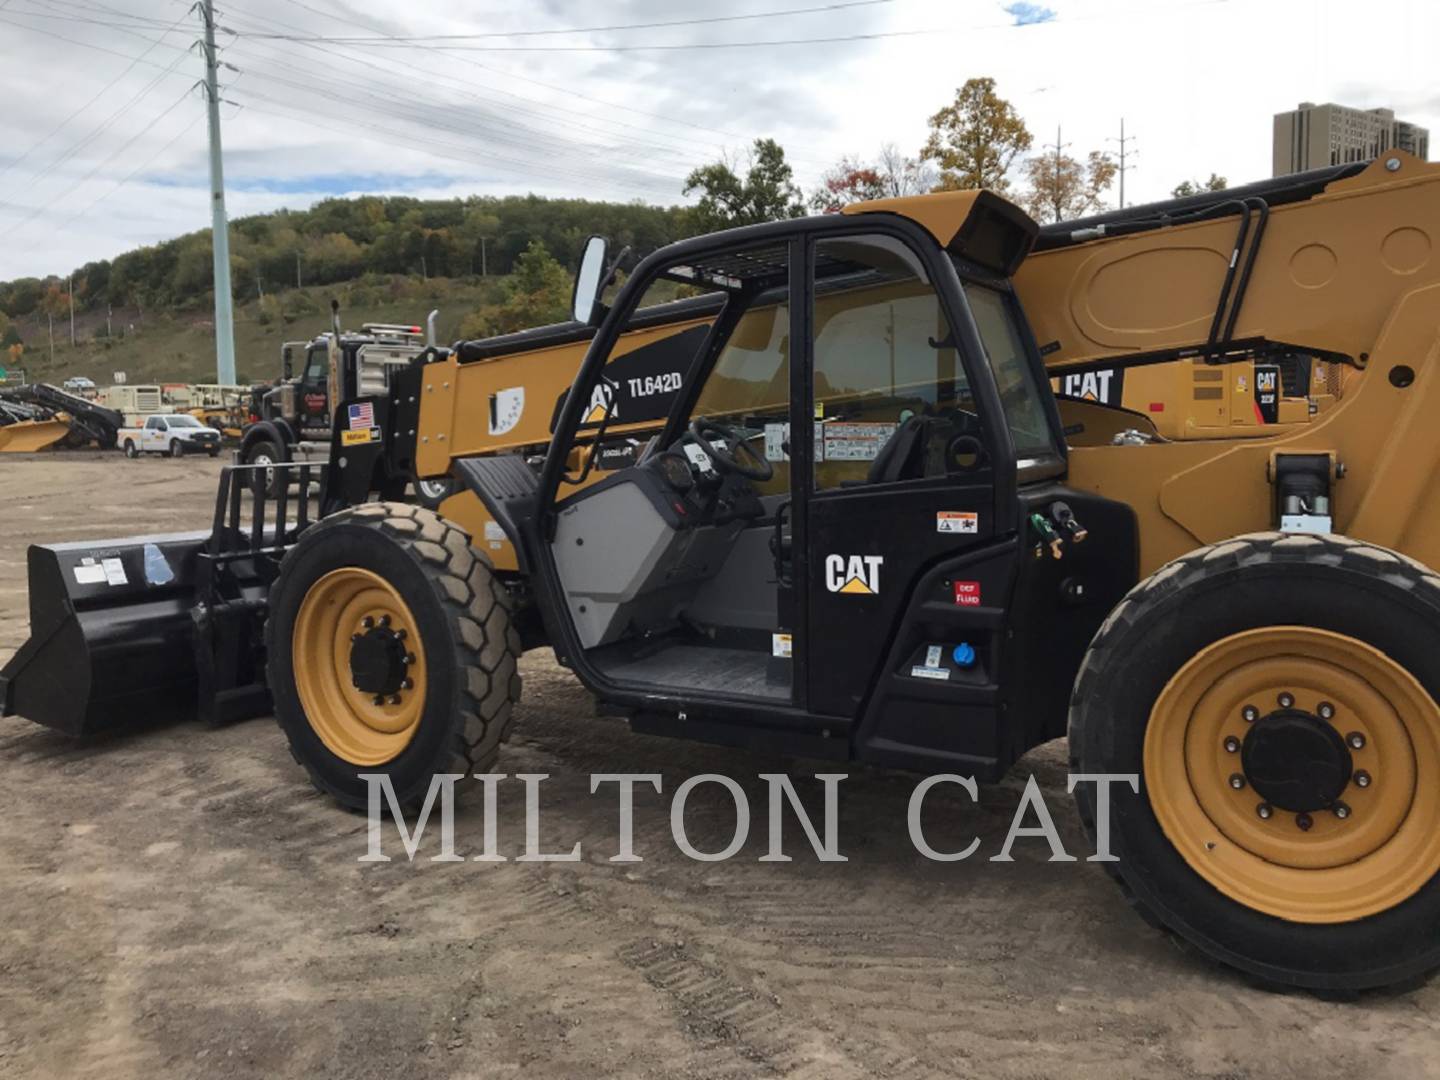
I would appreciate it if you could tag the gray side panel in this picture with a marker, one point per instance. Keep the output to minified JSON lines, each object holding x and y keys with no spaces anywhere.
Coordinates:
{"x":606,"y":548}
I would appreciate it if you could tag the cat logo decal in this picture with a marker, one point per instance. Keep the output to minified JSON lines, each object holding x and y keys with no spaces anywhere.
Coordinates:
{"x":855,"y":575}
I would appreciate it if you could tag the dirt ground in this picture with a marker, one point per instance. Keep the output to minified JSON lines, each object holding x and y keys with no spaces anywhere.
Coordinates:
{"x":181,"y":903}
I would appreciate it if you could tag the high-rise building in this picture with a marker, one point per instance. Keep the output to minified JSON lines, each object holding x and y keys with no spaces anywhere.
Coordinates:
{"x":1314,"y":136}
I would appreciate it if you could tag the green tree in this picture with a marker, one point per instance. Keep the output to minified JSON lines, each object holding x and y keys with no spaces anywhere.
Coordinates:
{"x":976,"y":138}
{"x":1196,"y":187}
{"x":536,"y":293}
{"x":766,"y":193}
{"x":1062,"y":188}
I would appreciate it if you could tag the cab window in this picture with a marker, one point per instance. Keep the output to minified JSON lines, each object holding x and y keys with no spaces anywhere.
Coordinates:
{"x":890,"y":394}
{"x":749,"y":386}
{"x":1005,"y":350}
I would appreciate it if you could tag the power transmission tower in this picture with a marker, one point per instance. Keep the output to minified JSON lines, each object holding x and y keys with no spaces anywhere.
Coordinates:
{"x":1124,"y":142}
{"x":219,"y":224}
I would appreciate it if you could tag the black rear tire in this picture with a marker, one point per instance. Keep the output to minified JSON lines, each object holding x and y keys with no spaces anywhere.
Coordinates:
{"x":431,"y":493}
{"x":462,"y":616}
{"x":1334,"y":584}
{"x":265,"y":452}
{"x":175,"y":449}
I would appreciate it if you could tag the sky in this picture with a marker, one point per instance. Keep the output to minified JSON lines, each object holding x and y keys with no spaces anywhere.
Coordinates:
{"x":103,"y":137}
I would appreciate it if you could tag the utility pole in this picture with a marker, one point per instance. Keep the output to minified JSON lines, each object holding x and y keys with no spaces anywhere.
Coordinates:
{"x":1124,"y":142}
{"x":1058,"y":147}
{"x":482,"y":256}
{"x":219,"y":224}
{"x":70,"y":288}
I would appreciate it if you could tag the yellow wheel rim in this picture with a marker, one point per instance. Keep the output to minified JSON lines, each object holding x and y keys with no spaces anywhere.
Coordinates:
{"x":1373,"y":847}
{"x":361,"y":726}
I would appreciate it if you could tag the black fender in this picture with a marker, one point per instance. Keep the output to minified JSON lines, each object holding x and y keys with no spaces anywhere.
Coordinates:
{"x":360,"y":458}
{"x":507,"y":486}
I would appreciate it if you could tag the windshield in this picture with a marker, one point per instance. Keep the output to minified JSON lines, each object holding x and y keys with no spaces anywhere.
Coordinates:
{"x":183,"y":421}
{"x":1005,"y":349}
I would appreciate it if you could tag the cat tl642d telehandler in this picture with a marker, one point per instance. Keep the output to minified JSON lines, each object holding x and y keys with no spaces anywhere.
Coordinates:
{"x":860,"y":534}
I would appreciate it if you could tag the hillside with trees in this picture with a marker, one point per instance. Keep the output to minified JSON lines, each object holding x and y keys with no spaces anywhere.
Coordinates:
{"x":491,"y":265}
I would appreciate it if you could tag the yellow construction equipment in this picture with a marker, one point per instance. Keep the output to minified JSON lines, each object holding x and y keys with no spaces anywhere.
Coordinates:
{"x":830,"y":508}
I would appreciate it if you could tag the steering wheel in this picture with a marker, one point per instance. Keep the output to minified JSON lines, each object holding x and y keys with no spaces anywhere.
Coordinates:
{"x":733,"y":447}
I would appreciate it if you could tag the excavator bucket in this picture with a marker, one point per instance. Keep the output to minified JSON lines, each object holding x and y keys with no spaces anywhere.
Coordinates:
{"x":153,"y":629}
{"x":30,"y":435}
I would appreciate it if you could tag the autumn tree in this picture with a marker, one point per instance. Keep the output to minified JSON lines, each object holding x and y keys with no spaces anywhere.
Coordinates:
{"x":975,"y":139}
{"x":536,"y":293}
{"x":767,"y":192}
{"x":1197,"y":187}
{"x":847,"y":181}
{"x":901,"y":174}
{"x":1062,"y":188}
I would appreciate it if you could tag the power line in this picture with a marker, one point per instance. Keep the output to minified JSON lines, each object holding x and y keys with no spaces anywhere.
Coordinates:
{"x":105,"y":125}
{"x":101,"y":93}
{"x":705,"y":21}
{"x":106,"y":161}
{"x":569,"y":92}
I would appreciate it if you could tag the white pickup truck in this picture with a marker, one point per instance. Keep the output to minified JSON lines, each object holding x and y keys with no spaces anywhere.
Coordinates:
{"x":173,"y":434}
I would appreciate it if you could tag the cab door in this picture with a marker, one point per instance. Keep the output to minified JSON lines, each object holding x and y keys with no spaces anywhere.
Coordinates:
{"x":153,"y":437}
{"x":902,"y":477}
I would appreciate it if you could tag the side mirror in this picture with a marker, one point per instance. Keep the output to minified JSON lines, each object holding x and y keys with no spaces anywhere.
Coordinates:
{"x":588,"y":280}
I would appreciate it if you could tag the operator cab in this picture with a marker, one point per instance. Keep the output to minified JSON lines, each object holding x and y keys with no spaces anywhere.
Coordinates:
{"x":826,"y":541}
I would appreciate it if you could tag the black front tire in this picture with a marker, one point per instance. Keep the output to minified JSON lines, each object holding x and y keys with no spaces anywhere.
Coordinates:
{"x":130,"y":451}
{"x":1270,"y":580}
{"x":462,"y":614}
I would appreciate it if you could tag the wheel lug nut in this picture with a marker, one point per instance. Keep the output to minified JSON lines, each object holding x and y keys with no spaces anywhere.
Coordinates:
{"x":1250,"y":714}
{"x":1362,"y":779}
{"x":394,"y":699}
{"x":356,"y":637}
{"x":1342,"y":811}
{"x":1237,"y":781}
{"x":368,"y":622}
{"x":1356,"y":740}
{"x":1326,"y":710}
{"x":378,"y":699}
{"x":1304,"y":821}
{"x":1286,"y":700}
{"x":384,"y":621}
{"x":407,"y":684}
{"x":1232,"y":744}
{"x":409,"y":658}
{"x":400,"y":634}
{"x":1264,"y":811}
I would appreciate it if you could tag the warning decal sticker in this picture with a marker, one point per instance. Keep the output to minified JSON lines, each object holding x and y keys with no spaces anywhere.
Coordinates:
{"x":957,"y":521}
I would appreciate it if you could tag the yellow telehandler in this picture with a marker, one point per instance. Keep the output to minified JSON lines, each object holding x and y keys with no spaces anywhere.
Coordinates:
{"x":845,"y":520}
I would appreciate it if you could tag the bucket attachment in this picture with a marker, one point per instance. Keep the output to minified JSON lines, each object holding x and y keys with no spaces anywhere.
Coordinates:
{"x":154,"y":629}
{"x":30,"y":435}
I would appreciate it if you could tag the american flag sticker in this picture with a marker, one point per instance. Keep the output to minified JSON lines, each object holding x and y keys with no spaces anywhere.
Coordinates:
{"x":362,"y":416}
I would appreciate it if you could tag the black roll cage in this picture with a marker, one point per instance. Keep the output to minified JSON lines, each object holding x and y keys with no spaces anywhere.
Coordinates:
{"x":539,"y":525}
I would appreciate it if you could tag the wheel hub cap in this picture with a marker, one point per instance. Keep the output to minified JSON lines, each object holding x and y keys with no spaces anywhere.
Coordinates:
{"x":377,"y":662}
{"x":1296,"y":761}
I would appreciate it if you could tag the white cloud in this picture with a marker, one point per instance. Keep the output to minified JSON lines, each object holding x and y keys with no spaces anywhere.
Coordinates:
{"x":1197,"y":83}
